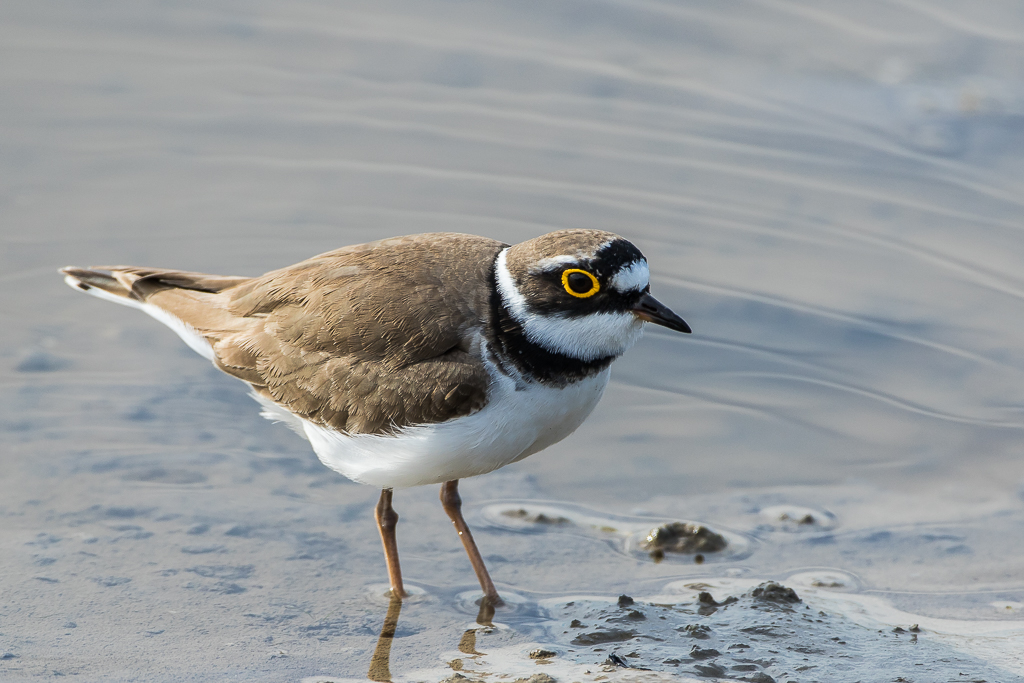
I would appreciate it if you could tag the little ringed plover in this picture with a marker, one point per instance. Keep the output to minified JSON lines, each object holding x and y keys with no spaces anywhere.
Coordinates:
{"x":415,"y":360}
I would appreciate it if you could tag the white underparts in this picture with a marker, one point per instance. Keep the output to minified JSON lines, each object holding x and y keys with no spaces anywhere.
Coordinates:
{"x":513,"y":424}
{"x":586,"y":337}
{"x":195,"y":341}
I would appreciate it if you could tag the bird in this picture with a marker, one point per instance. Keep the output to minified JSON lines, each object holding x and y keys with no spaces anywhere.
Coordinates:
{"x":415,"y":360}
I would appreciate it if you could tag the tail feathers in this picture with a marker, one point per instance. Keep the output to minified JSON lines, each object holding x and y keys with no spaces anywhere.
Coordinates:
{"x":102,"y":285}
{"x":139,"y":284}
{"x":86,"y":279}
{"x":185,"y":302}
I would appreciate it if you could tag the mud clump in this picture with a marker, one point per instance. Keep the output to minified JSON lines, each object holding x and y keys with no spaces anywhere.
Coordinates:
{"x":708,"y":604}
{"x":710,"y":670}
{"x":767,"y":634}
{"x":698,"y":631}
{"x":459,"y":678}
{"x":631,"y":616}
{"x":539,"y":518}
{"x":708,"y":653}
{"x":802,"y":520}
{"x":682,"y":538}
{"x":769,"y":591}
{"x":615,"y":635}
{"x":536,"y":678}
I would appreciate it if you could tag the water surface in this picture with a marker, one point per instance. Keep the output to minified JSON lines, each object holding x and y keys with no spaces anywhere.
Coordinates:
{"x":829,"y":193}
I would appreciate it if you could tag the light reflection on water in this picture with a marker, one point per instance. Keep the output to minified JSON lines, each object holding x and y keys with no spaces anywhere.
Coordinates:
{"x":830,"y":195}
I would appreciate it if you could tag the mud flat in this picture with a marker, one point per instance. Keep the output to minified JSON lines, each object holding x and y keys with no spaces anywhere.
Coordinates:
{"x":831,"y":194}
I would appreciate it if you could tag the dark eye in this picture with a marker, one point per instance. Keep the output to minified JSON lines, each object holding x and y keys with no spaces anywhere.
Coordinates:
{"x":580,"y":283}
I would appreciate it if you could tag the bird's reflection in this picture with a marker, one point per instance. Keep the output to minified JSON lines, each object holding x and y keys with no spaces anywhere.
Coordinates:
{"x":380,"y":663}
{"x":467,"y":644}
{"x":380,"y":669}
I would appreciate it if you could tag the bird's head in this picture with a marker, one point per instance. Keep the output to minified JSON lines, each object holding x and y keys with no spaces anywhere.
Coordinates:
{"x":581,"y":293}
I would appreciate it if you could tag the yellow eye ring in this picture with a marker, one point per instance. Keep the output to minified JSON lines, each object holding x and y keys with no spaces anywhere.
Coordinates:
{"x":595,"y":286}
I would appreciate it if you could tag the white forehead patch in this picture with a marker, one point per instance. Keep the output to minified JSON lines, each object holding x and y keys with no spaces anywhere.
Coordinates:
{"x":587,"y":337}
{"x":547,"y":263}
{"x":632,"y":279}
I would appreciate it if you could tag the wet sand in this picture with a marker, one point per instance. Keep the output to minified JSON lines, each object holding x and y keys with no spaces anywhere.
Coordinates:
{"x":830,"y":195}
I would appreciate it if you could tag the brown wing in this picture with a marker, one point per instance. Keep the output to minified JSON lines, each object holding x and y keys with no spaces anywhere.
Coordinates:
{"x":365,"y":339}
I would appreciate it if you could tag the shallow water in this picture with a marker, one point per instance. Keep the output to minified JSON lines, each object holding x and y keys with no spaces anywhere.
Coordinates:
{"x":829,"y":193}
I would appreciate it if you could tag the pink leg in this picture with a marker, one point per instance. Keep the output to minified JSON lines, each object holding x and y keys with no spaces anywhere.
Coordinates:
{"x":452,"y":504}
{"x":387,"y":520}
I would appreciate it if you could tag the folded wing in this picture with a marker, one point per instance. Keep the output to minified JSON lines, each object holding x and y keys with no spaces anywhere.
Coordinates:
{"x":365,"y":339}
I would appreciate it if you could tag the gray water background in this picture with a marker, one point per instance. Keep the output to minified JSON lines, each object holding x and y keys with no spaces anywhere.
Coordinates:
{"x":829,"y":193}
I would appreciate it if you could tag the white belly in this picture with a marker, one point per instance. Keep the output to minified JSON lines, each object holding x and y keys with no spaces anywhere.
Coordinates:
{"x":513,"y":425}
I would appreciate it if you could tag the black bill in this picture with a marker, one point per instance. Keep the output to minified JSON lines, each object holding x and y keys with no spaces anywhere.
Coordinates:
{"x":653,"y":311}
